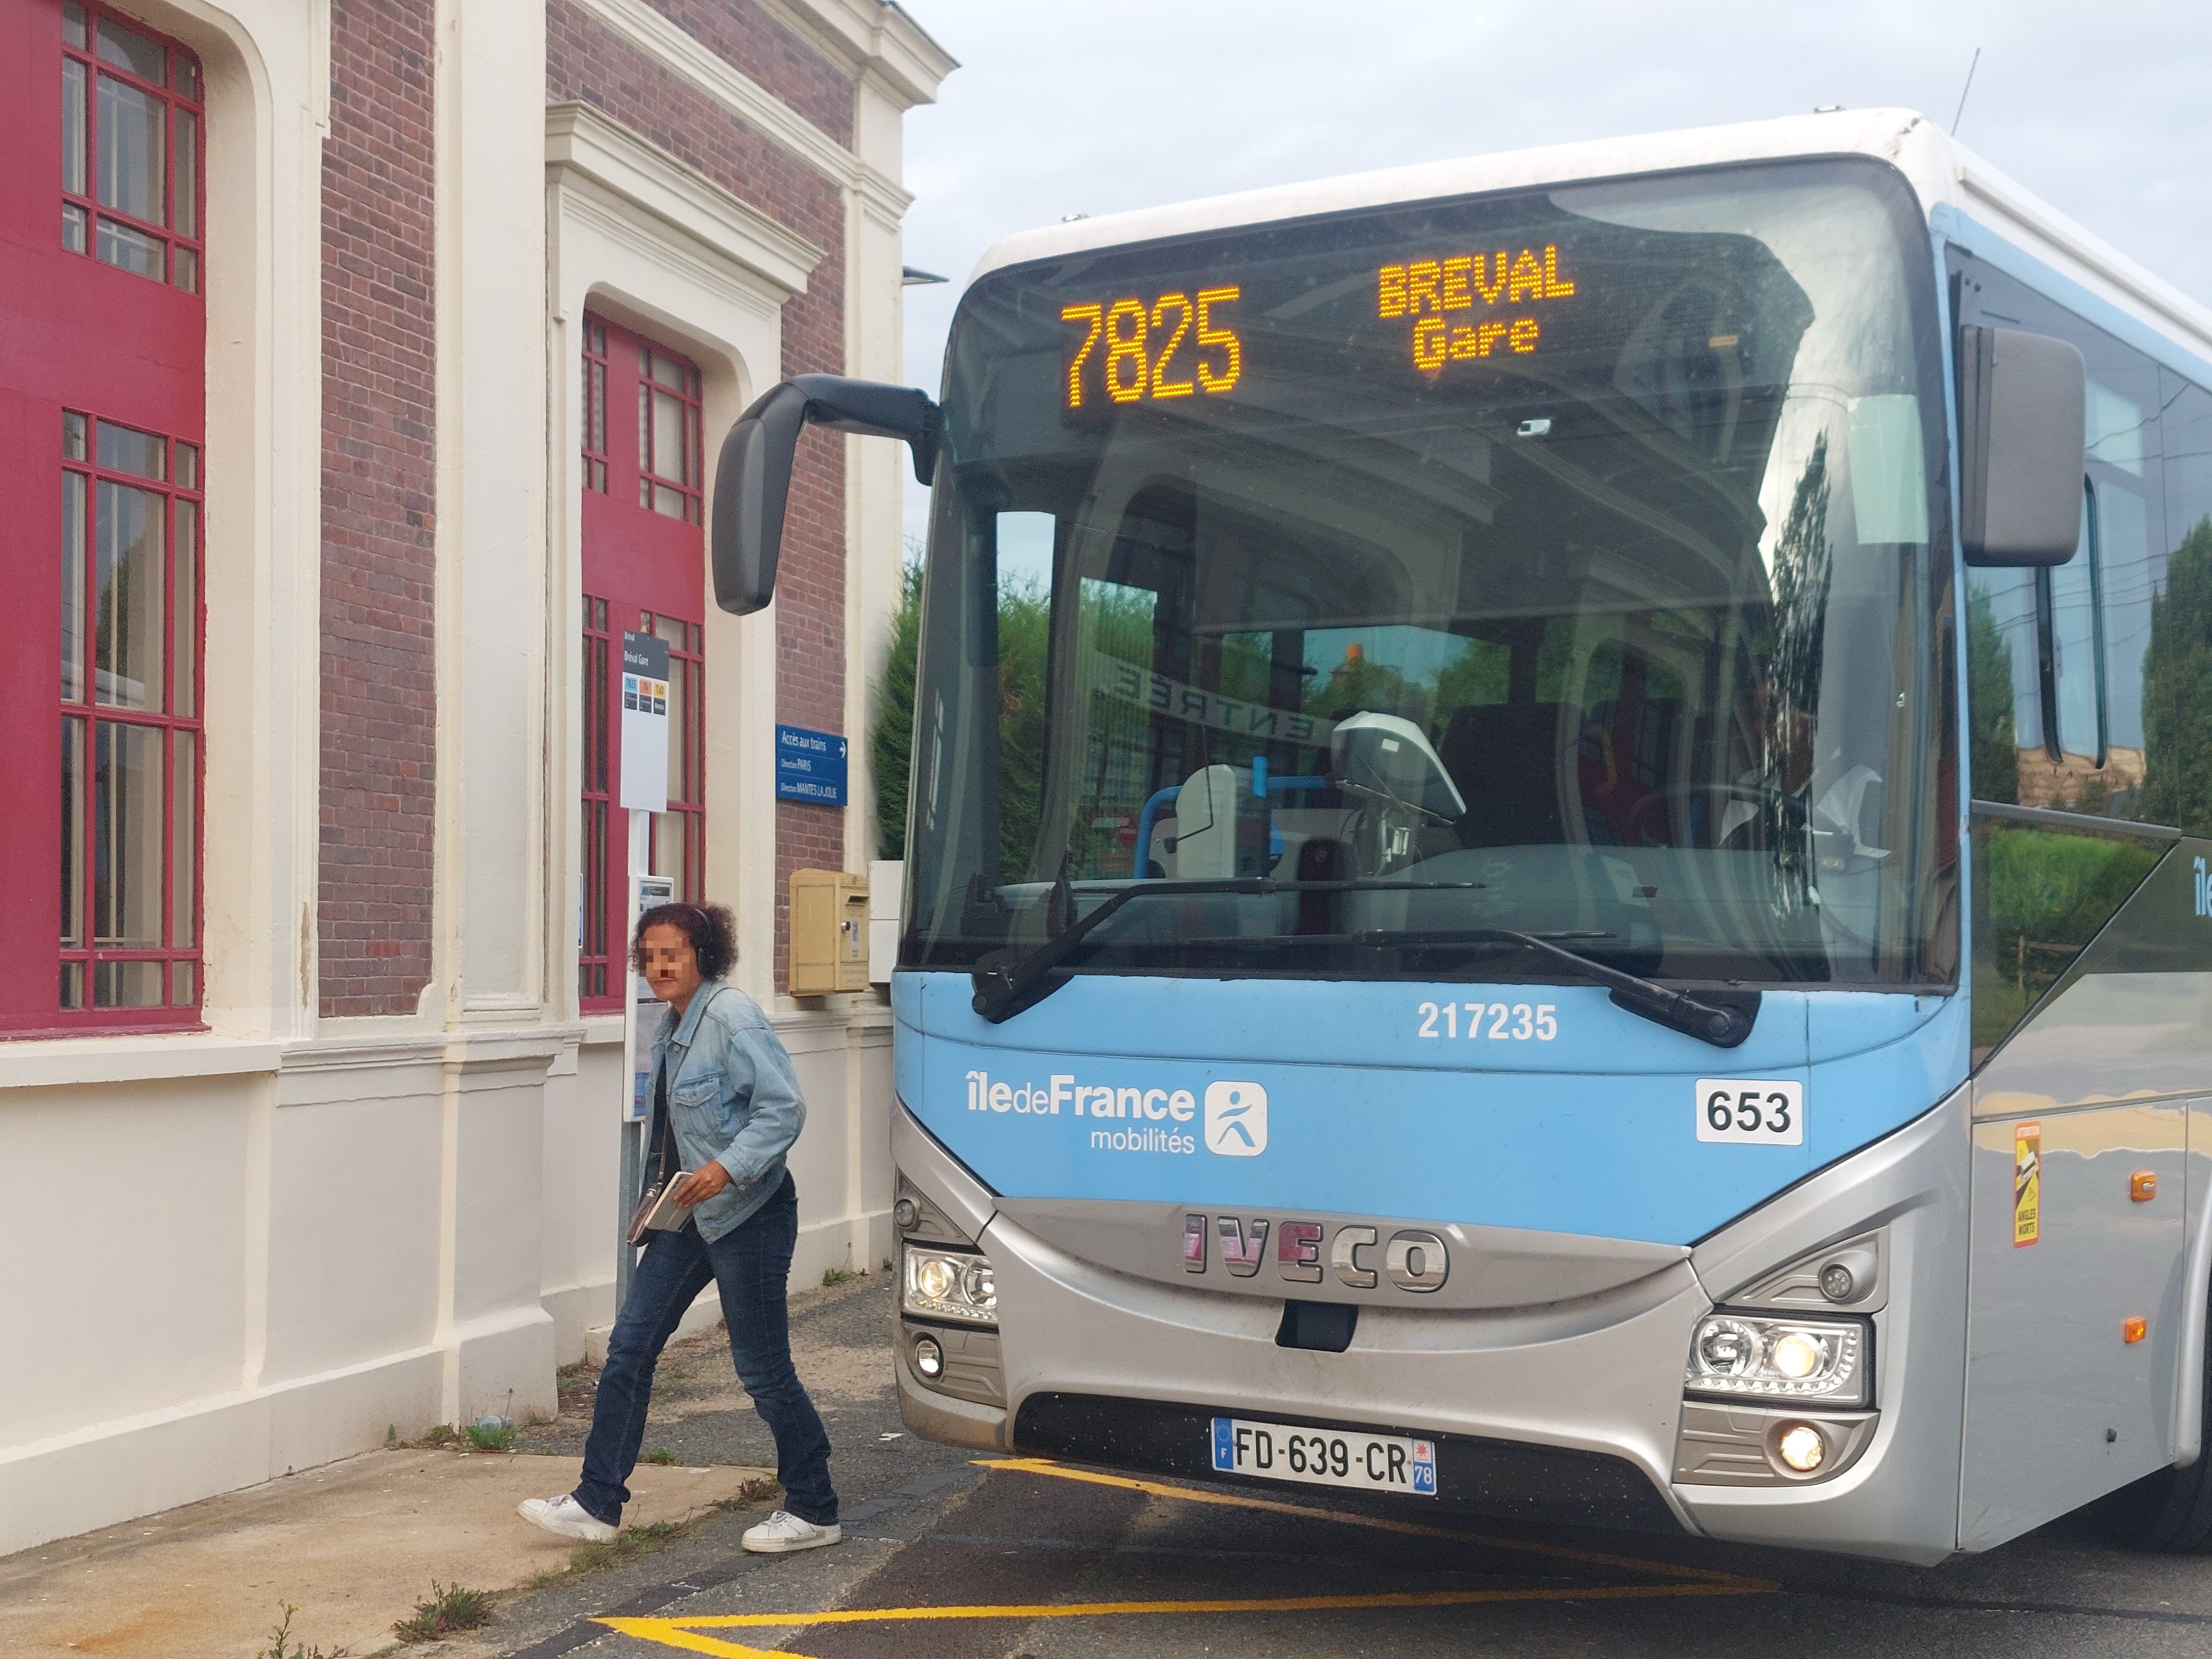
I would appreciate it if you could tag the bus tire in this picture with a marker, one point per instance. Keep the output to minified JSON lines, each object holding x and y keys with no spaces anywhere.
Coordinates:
{"x":2172,"y":1509}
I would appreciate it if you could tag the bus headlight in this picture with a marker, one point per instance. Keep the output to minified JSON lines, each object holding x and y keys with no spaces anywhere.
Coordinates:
{"x":950,"y":1285}
{"x":1743,"y":1358}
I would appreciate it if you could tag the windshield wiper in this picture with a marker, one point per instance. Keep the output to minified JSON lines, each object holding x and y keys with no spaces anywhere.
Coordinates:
{"x":1722,"y":1018}
{"x":1005,"y":987}
{"x":1005,"y":984}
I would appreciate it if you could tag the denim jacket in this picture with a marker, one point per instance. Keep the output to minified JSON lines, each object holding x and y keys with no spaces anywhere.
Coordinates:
{"x":732,"y":1099}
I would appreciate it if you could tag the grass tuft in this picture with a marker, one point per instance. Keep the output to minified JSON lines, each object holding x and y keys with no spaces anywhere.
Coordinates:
{"x":447,"y":1610}
{"x":491,"y":1436}
{"x":281,"y":1646}
{"x":837,"y":1276}
{"x":658,"y":1455}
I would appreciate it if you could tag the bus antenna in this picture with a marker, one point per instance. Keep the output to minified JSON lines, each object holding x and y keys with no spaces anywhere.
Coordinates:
{"x":1964,"y":90}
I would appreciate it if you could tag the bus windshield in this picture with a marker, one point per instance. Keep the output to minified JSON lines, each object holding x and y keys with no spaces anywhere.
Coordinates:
{"x":1570,"y":563}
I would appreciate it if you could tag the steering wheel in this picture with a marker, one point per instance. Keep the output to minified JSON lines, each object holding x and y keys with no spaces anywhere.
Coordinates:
{"x":1778,"y":805}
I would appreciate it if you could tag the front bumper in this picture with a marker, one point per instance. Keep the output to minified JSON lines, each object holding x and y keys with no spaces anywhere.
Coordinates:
{"x":1570,"y":1411}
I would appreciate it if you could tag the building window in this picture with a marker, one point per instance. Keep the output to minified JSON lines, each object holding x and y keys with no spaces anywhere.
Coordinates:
{"x":597,"y":977}
{"x":644,"y":571}
{"x":131,"y":130}
{"x":595,"y":406}
{"x":668,"y":454}
{"x":679,"y":837}
{"x":130,"y":710}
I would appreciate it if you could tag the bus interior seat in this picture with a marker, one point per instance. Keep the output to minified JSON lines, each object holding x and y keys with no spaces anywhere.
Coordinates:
{"x":1500,"y":757}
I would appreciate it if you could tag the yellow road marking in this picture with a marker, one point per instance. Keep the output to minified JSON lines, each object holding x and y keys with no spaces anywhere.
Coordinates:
{"x":685,"y":1633}
{"x":1410,"y":1529}
{"x":689,"y":1635}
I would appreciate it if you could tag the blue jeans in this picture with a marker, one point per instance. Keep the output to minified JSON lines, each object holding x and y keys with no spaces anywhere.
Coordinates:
{"x":751,"y":1265}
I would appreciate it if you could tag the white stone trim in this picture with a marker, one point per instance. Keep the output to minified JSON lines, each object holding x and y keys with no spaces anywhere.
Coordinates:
{"x":64,"y":1062}
{"x":689,"y":207}
{"x":870,"y":38}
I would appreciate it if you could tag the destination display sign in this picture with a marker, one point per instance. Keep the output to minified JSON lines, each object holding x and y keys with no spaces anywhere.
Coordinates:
{"x":1440,"y":308}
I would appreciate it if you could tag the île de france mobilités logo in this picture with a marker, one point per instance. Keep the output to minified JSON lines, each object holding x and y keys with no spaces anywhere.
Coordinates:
{"x":1235,"y":1119}
{"x":1148,"y":1120}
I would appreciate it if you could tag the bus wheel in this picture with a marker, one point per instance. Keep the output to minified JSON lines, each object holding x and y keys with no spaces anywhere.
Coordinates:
{"x":2171,"y":1510}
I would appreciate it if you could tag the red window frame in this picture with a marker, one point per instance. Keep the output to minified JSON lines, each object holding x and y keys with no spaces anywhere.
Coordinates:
{"x":172,"y":720}
{"x":595,"y":406}
{"x":93,"y":337}
{"x":180,"y":93}
{"x":598,"y":975}
{"x":663,"y":377}
{"x":680,"y":835}
{"x":644,"y":571}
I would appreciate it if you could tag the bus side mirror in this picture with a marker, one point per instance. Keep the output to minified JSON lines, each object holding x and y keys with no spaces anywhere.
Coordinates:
{"x":2020,"y":449}
{"x":752,"y":482}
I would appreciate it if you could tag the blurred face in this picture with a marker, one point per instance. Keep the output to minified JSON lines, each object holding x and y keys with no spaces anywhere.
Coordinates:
{"x":672,"y":967}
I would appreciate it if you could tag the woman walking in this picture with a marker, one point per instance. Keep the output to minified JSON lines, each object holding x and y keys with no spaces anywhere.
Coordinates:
{"x":725,"y":1108}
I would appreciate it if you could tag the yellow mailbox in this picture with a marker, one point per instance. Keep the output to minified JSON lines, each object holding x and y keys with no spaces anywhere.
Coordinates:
{"x":829,"y":932}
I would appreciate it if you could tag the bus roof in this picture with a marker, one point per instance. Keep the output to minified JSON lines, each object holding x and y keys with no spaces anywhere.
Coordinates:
{"x":1944,"y":173}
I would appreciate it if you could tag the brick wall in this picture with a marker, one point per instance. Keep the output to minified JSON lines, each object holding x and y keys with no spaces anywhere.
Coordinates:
{"x":587,"y":63}
{"x":741,"y":33}
{"x":378,"y":686}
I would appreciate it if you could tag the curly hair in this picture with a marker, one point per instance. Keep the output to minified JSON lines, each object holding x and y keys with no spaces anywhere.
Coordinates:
{"x":711,"y":930}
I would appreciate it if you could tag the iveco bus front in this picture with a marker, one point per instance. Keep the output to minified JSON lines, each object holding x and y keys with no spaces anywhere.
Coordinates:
{"x":1431,"y":957}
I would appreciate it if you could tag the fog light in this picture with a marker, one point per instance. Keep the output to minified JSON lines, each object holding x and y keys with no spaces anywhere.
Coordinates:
{"x":1837,"y":1282}
{"x":1802,"y":1448}
{"x":929,"y":1360}
{"x":905,"y":1213}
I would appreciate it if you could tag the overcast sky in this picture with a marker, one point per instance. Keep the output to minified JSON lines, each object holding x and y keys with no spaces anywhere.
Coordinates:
{"x":1095,"y":107}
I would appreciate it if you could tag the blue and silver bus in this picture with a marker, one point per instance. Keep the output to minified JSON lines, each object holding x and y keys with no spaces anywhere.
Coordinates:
{"x":1558,"y":845}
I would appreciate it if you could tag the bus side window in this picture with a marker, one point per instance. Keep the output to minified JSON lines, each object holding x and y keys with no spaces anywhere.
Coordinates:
{"x":2080,"y":642}
{"x":2174,"y":694}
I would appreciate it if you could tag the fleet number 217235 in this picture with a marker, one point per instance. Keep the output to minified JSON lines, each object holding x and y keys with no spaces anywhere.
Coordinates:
{"x":1516,"y":1022}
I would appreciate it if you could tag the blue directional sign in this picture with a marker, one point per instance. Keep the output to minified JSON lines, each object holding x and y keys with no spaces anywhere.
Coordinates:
{"x":809,"y":766}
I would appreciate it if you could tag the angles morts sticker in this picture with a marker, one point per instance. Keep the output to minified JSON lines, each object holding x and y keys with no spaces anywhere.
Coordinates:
{"x":2027,"y":1184}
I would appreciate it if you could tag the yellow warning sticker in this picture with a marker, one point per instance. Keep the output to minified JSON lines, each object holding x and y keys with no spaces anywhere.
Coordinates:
{"x":2026,"y":1184}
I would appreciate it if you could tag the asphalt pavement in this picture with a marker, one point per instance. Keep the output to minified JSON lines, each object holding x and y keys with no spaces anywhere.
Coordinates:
{"x":954,"y":1556}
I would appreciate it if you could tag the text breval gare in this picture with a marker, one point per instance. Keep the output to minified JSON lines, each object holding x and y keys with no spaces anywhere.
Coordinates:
{"x":1415,"y":1261}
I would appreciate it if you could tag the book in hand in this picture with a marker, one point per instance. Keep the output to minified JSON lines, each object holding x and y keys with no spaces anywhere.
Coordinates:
{"x":659,"y":1212}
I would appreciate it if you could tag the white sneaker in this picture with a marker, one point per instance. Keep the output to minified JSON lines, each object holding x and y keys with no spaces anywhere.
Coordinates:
{"x":785,"y":1531}
{"x":565,"y":1516}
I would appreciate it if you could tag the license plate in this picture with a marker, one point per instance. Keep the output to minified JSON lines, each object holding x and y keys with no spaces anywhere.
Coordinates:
{"x":1325,"y":1457}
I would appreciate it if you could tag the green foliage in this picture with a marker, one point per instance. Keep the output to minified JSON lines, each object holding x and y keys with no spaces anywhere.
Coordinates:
{"x":831,"y":1276}
{"x":280,"y":1645}
{"x":1024,"y":629}
{"x":2055,"y":890}
{"x":491,"y":1436}
{"x":447,"y":1610}
{"x":1361,"y":682}
{"x":890,"y":743}
{"x":658,"y":1455}
{"x":1993,"y":745}
{"x":2177,"y":708}
{"x":1482,"y":675}
{"x":1024,"y":625}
